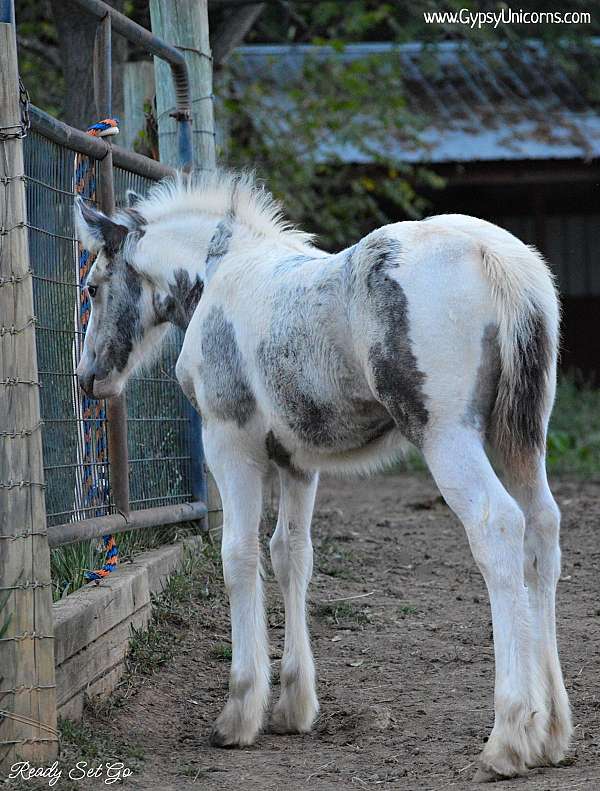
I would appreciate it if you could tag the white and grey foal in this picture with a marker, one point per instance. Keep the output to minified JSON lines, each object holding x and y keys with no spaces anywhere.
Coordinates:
{"x":442,"y":333}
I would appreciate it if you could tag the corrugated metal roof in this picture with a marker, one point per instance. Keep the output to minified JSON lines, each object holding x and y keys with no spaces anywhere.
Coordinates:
{"x":474,"y":103}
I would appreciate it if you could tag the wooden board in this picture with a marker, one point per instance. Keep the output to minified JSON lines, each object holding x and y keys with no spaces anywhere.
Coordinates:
{"x":93,"y":625}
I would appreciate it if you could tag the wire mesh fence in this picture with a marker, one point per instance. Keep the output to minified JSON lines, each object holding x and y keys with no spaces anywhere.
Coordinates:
{"x":75,"y":442}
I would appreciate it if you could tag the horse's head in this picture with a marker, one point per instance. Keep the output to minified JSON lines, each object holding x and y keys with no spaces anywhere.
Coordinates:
{"x":123,"y":324}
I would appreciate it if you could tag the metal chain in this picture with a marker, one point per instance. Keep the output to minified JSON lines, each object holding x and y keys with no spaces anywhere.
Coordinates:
{"x":4,"y":231}
{"x":19,"y":131}
{"x":24,"y":688}
{"x":28,"y":584}
{"x":14,"y":279}
{"x":20,"y":484}
{"x":12,"y":381}
{"x":12,"y":330}
{"x":6,"y":180}
{"x":26,"y":636}
{"x":23,"y":432}
{"x":25,"y":720}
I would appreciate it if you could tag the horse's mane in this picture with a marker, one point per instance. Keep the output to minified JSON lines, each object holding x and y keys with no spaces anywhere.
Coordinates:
{"x":237,"y":195}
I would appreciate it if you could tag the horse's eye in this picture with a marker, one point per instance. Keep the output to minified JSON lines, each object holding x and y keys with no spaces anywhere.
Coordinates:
{"x":92,"y":290}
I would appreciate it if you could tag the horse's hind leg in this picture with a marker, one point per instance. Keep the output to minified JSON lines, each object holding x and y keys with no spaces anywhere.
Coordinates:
{"x":292,"y":558}
{"x":542,"y":570}
{"x":495,"y":527}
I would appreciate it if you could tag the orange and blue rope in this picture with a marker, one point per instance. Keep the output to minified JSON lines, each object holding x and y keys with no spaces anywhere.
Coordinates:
{"x":93,"y":411}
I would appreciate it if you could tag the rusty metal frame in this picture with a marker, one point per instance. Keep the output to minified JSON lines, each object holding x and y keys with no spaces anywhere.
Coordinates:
{"x":109,"y":155}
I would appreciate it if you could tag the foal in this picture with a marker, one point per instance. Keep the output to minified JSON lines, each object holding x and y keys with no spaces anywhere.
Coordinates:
{"x":442,"y":333}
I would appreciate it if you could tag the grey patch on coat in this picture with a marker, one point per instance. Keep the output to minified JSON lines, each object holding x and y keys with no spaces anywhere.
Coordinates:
{"x":122,"y":314}
{"x":227,"y":390}
{"x":315,"y":383}
{"x":519,"y":416}
{"x":281,"y":456}
{"x":179,"y":305}
{"x":479,"y":410}
{"x":397,"y":380}
{"x":218,"y":245}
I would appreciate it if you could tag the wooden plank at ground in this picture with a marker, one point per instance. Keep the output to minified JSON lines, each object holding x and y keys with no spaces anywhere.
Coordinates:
{"x":93,"y":625}
{"x":98,"y":667}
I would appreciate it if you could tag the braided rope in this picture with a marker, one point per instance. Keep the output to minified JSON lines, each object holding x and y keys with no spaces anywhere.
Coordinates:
{"x":94,"y":484}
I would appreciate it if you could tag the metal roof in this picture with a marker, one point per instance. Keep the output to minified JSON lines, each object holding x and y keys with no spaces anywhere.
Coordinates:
{"x":473,"y":103}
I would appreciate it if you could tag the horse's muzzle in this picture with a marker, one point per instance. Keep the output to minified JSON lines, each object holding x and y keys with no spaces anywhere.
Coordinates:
{"x":86,"y":382}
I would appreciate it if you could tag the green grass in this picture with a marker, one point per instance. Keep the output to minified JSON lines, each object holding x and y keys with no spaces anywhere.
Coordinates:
{"x":68,"y":563}
{"x":222,"y":651}
{"x":153,"y":647}
{"x":342,"y":612}
{"x":407,"y":609}
{"x":574,"y":436}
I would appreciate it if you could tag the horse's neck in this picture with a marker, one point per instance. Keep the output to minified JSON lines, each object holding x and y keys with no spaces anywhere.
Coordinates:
{"x":187,"y":255}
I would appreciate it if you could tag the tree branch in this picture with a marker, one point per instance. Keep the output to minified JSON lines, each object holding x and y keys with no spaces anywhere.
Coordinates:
{"x":46,"y":51}
{"x":230,"y":33}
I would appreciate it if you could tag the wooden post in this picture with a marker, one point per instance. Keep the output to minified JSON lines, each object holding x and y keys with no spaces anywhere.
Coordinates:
{"x":138,"y":88}
{"x":27,"y":685}
{"x":184,"y":24}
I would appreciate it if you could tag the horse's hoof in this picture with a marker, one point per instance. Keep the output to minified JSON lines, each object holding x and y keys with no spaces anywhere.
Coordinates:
{"x":488,"y":775}
{"x":218,"y":739}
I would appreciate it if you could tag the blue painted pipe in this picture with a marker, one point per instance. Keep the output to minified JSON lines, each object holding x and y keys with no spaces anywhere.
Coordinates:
{"x":7,"y":11}
{"x":185,"y":144}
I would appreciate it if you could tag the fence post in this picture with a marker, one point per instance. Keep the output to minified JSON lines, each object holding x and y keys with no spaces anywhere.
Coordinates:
{"x":27,"y":683}
{"x":185,"y":23}
{"x":138,"y":88}
{"x":116,"y":408}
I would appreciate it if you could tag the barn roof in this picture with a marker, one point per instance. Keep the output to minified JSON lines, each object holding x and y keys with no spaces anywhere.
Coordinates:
{"x":474,"y":103}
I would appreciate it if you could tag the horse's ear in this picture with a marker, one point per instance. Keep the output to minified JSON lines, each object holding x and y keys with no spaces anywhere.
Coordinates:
{"x":95,"y":230}
{"x":133,"y":198}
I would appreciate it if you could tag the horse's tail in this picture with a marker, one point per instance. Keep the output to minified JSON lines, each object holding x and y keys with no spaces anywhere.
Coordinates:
{"x":528,"y":317}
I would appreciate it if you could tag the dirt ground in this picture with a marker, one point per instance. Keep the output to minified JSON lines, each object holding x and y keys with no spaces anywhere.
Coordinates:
{"x":405,"y":672}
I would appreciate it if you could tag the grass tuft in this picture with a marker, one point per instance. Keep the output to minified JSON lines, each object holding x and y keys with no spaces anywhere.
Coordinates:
{"x":222,"y":652}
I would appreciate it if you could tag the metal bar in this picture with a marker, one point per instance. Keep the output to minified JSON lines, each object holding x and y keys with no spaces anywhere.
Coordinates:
{"x":116,"y":408}
{"x":95,"y":147}
{"x":144,"y":38}
{"x":103,"y":68}
{"x":74,"y":532}
{"x":66,"y":135}
{"x":142,"y":166}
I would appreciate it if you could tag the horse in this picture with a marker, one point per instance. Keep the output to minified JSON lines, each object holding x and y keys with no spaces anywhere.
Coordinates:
{"x":440,"y":333}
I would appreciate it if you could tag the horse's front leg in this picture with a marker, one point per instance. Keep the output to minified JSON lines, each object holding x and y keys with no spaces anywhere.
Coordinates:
{"x":292,"y":558}
{"x":240,"y":484}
